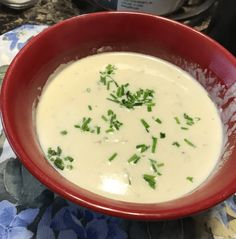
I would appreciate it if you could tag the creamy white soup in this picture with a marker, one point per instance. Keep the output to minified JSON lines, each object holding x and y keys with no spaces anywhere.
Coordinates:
{"x":129,"y":127}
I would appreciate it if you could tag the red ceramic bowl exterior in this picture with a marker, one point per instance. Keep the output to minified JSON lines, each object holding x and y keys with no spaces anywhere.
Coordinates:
{"x":114,"y":31}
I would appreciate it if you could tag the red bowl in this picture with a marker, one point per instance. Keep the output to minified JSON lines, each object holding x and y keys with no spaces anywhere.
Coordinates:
{"x":85,"y":35}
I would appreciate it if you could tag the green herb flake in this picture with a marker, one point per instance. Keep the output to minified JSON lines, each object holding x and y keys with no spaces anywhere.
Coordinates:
{"x":114,"y":123}
{"x":98,"y":129}
{"x":51,"y":152}
{"x":106,"y":76}
{"x":104,"y":118}
{"x":64,"y":132}
{"x":129,"y":180}
{"x":189,"y":143}
{"x":154,"y":144}
{"x":124,"y":97}
{"x":184,"y":128}
{"x":55,"y":157}
{"x":189,"y":120}
{"x":157,"y":120}
{"x":150,"y":179}
{"x":160,"y":165}
{"x":120,"y":91}
{"x":190,"y":179}
{"x":149,"y":107}
{"x":59,"y":151}
{"x":90,"y":107}
{"x":134,"y":159}
{"x":142,"y":147}
{"x":88,"y":90}
{"x":145,"y":124}
{"x":122,"y":94}
{"x":162,"y":135}
{"x":58,"y":162}
{"x":85,"y":124}
{"x":109,"y":130}
{"x":68,"y":158}
{"x":154,"y":165}
{"x":69,"y":167}
{"x":177,"y":120}
{"x":176,"y":144}
{"x":187,"y":117}
{"x":112,"y":157}
{"x":110,"y":112}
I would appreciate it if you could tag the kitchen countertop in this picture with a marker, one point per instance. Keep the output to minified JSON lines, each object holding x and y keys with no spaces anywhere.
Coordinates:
{"x":46,"y":12}
{"x":49,"y":12}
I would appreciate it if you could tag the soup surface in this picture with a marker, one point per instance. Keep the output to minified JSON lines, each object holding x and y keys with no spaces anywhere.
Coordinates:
{"x":129,"y":127}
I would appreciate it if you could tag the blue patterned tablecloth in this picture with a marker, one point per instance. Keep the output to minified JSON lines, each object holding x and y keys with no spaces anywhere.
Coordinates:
{"x":29,"y":210}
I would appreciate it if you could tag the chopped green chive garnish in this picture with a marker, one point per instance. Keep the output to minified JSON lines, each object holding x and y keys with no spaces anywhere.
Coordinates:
{"x":85,"y":124}
{"x":51,"y":152}
{"x":114,"y":124}
{"x":160,"y":165}
{"x":68,"y":158}
{"x":149,"y":107}
{"x":109,"y":130}
{"x":120,"y":91}
{"x":154,"y":144}
{"x":104,"y":118}
{"x":162,"y":135}
{"x":112,"y":157}
{"x":184,"y":128}
{"x":142,"y":147}
{"x":176,"y":144}
{"x":90,"y":107}
{"x":70,"y":167}
{"x":151,"y":180}
{"x":177,"y":120}
{"x":134,"y":159}
{"x":108,"y":84}
{"x":145,"y":124}
{"x":88,"y":90}
{"x":189,"y":120}
{"x":129,"y":180}
{"x":158,"y":120}
{"x":189,"y":143}
{"x":106,"y":75}
{"x":86,"y":127}
{"x":187,"y":117}
{"x":122,"y":95}
{"x":58,"y":162}
{"x":63,"y":132}
{"x":98,"y":129}
{"x":59,"y":151}
{"x":190,"y":179}
{"x":155,"y":166}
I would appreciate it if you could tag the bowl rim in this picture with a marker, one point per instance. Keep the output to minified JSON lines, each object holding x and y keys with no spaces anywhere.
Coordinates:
{"x":93,"y":204}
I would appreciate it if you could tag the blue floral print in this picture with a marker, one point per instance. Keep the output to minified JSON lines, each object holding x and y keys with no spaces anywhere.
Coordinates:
{"x":13,"y":225}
